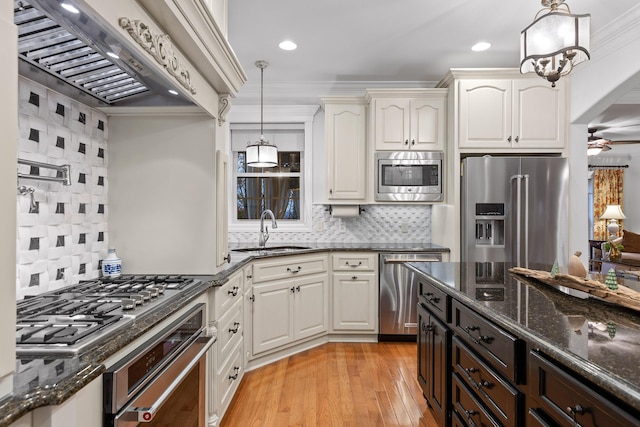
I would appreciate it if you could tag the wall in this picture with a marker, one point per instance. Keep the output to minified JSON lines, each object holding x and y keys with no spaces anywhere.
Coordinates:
{"x":378,"y":223}
{"x":63,"y":238}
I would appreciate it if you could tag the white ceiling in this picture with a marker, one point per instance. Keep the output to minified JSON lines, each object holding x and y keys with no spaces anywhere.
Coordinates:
{"x":354,"y":44}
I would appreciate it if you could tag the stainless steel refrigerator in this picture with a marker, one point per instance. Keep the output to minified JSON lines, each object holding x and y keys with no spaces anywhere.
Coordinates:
{"x":514,"y":209}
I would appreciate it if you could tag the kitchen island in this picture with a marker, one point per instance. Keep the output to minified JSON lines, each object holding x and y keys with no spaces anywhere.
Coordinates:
{"x":542,"y":344}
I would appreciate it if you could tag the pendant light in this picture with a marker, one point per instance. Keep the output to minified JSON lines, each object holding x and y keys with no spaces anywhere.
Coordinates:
{"x":261,"y":154}
{"x":555,"y":42}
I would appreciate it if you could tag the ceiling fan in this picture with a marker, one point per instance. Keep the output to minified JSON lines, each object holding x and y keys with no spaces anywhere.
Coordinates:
{"x":597,"y":144}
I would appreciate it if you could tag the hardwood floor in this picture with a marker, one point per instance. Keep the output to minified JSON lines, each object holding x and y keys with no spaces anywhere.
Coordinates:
{"x":336,"y":384}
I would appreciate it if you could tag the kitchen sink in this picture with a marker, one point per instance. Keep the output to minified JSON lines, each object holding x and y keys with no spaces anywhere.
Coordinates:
{"x":271,"y":249}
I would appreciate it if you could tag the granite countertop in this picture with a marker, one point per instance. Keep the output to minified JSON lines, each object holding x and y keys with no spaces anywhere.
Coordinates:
{"x":594,"y":338}
{"x":50,"y":381}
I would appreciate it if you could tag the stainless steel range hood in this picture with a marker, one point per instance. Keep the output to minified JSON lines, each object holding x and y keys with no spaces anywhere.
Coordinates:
{"x":55,"y":46}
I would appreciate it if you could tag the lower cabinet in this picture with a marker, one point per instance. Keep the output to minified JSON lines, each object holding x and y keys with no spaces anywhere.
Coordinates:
{"x":433,"y":341}
{"x":354,"y":292}
{"x":557,"y":398}
{"x":288,"y":310}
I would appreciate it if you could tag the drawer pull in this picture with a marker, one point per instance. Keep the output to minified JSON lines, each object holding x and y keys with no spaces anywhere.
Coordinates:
{"x":298,"y":288}
{"x":470,"y":413}
{"x":471,"y":328}
{"x":234,"y":330}
{"x":576,"y":410}
{"x":354,"y":265}
{"x":484,"y":383}
{"x":233,"y":291}
{"x":252,"y":298}
{"x":236,"y":369}
{"x":354,"y":277}
{"x":485,"y":338}
{"x":427,"y":328}
{"x":472,"y":370}
{"x":293,"y":290}
{"x":249,"y":276}
{"x":294,"y":271}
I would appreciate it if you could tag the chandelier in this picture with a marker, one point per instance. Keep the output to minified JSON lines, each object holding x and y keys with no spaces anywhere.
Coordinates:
{"x":555,"y":42}
{"x":261,"y":154}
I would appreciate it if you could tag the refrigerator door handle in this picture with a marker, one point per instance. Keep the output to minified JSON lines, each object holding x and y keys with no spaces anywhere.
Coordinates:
{"x":518,"y":179}
{"x":526,"y":220}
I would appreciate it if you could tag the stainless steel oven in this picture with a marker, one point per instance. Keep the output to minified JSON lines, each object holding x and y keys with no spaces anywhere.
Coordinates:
{"x":163,"y":381}
{"x":409,"y":176}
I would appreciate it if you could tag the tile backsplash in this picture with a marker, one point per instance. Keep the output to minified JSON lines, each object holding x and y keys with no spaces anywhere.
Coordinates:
{"x":63,"y":235}
{"x":377,"y":223}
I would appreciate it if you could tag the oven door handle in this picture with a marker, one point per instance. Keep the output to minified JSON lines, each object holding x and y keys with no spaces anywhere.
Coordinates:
{"x":146,"y":414}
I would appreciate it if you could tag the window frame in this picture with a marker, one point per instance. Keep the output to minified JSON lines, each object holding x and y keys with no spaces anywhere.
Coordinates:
{"x":275,"y":117}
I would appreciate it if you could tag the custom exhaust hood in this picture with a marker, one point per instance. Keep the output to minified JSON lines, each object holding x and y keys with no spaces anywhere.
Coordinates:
{"x":97,"y":68}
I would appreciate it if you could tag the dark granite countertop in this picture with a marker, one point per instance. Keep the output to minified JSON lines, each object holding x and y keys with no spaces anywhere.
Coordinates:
{"x":594,"y":338}
{"x":51,"y":381}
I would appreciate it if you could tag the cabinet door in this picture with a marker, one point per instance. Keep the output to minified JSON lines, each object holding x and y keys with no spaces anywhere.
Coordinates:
{"x":311,"y":306}
{"x":485,"y":114}
{"x":391,"y":129}
{"x":345,"y":135}
{"x":355,"y":301}
{"x":272,"y":315}
{"x":539,"y":114}
{"x":427,"y":124}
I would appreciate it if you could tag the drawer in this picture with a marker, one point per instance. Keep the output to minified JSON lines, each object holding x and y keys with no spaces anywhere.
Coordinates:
{"x":500,"y":349}
{"x":230,"y":327}
{"x":354,"y":261}
{"x":569,"y":402}
{"x":468,"y":407}
{"x":536,"y":419}
{"x":496,"y":393}
{"x":228,"y":378}
{"x":227,"y":295}
{"x":439,"y":302}
{"x":286,"y":267}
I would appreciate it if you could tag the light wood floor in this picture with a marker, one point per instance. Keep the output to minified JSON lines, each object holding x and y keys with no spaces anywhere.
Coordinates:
{"x":336,"y":384}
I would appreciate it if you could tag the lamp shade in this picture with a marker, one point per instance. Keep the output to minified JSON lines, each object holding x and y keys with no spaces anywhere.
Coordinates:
{"x":554,"y":43}
{"x":613,"y":212}
{"x":261,"y":154}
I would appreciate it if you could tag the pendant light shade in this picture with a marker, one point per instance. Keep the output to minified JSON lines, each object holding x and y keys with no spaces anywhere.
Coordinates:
{"x":261,"y":154}
{"x":555,"y":42}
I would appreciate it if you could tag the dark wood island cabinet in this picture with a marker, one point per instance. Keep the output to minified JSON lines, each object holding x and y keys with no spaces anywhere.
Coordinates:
{"x":506,"y":354}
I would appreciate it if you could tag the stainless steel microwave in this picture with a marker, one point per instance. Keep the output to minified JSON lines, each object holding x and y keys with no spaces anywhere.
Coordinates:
{"x":409,"y":176}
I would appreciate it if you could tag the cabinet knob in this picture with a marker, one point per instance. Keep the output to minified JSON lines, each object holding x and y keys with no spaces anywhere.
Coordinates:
{"x":517,"y":139}
{"x":413,"y":142}
{"x":252,"y":298}
{"x":331,"y":191}
{"x":233,"y":291}
{"x":234,"y":330}
{"x":576,"y":410}
{"x":354,"y":277}
{"x":236,"y":369}
{"x":227,"y":258}
{"x":471,"y":370}
{"x":509,"y":139}
{"x":293,"y":290}
{"x":298,"y":288}
{"x":406,"y":142}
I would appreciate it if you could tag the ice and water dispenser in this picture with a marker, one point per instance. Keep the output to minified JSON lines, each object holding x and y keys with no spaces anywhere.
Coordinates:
{"x":489,"y":224}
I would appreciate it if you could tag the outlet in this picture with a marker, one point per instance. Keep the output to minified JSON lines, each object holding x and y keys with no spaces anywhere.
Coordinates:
{"x":404,"y":228}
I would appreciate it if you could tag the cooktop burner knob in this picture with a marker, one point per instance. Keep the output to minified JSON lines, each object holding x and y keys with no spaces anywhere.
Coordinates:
{"x":153,"y":291}
{"x":146,"y":295}
{"x":137,"y":299}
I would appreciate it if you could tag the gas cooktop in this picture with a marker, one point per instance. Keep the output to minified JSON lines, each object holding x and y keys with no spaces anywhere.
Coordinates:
{"x":66,"y":322}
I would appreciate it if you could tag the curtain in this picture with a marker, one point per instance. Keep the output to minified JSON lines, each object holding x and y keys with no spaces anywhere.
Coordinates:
{"x":607,"y":190}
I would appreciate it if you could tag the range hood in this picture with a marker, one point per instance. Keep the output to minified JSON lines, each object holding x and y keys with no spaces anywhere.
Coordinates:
{"x":55,"y":45}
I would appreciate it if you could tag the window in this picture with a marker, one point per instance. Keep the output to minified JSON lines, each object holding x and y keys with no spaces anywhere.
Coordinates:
{"x":280,"y":189}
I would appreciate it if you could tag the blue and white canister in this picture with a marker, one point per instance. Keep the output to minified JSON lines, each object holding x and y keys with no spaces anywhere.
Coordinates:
{"x":111,"y":265}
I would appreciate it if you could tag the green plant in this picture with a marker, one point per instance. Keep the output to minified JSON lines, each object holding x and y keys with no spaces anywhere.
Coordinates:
{"x":607,"y":246}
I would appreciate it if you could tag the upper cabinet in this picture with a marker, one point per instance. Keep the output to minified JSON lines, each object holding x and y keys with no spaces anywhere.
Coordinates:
{"x":511,"y":114}
{"x":409,"y":119}
{"x":345,"y":140}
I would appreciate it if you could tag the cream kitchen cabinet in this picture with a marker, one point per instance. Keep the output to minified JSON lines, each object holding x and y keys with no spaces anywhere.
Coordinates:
{"x":354,"y":292}
{"x":345,"y":141}
{"x":290,"y":301}
{"x":226,"y":360}
{"x":415,"y":121}
{"x":511,"y":114}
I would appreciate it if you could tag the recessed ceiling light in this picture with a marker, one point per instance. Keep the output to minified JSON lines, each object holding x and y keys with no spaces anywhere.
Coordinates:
{"x":479,"y":47}
{"x":71,"y":8}
{"x":113,"y":55}
{"x":287,"y":45}
{"x":173,"y":92}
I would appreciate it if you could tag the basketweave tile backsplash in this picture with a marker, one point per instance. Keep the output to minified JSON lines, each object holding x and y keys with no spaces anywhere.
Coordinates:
{"x":377,"y":223}
{"x":62,"y":238}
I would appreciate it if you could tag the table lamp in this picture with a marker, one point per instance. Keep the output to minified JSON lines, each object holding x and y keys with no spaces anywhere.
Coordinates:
{"x":613,"y":213}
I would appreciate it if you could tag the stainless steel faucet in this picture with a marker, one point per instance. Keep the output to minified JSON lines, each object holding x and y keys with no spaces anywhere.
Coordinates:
{"x":264,"y":231}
